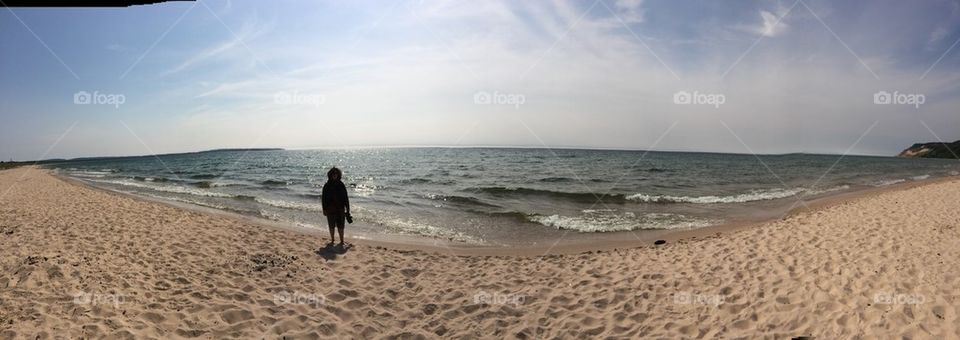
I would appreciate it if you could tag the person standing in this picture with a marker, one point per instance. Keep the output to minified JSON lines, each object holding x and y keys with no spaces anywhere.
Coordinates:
{"x":336,"y":205}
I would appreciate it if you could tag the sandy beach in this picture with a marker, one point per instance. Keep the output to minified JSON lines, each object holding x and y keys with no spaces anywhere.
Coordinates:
{"x":83,"y":263}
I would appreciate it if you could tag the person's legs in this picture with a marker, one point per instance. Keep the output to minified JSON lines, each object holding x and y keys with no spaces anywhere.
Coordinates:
{"x":332,"y":223}
{"x":336,"y":221}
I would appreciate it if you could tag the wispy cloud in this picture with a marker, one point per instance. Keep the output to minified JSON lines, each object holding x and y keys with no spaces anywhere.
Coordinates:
{"x":251,"y":30}
{"x":772,"y":24}
{"x":631,"y":11}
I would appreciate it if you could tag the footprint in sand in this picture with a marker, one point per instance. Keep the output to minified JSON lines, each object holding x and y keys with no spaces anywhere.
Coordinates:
{"x":152,"y":317}
{"x":236,"y":315}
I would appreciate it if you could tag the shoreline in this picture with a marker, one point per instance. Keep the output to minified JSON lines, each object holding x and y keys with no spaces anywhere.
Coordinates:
{"x":82,"y":263}
{"x":423,"y":243}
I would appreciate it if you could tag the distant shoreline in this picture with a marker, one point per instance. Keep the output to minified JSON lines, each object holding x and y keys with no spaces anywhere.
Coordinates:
{"x":491,"y":147}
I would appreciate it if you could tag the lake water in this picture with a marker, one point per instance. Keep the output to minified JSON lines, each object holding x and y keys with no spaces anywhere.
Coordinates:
{"x":499,"y":196}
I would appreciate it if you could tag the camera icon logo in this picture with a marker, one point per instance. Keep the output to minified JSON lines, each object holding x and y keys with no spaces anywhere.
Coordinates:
{"x":683,"y":298}
{"x":882,"y":98}
{"x":481,"y":297}
{"x":482,"y":98}
{"x":82,"y":298}
{"x":82,"y":98}
{"x":682,"y":97}
{"x":282,"y":98}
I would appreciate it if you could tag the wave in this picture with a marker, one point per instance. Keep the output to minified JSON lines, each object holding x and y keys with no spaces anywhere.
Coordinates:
{"x":459,"y":200}
{"x":831,"y":189}
{"x":920,"y":178}
{"x":315,"y":207}
{"x":405,"y":226}
{"x":604,"y":221}
{"x":150,"y":179}
{"x":271,"y":182}
{"x":571,"y":180}
{"x":755,"y":195}
{"x":167,"y":188}
{"x":659,"y":170}
{"x":415,"y":180}
{"x":572,"y":196}
{"x":201,"y":203}
{"x":213,"y":184}
{"x":884,"y":183}
{"x":202,"y":184}
{"x":89,"y":174}
{"x":557,"y":179}
{"x":204,"y":176}
{"x":514,"y":215}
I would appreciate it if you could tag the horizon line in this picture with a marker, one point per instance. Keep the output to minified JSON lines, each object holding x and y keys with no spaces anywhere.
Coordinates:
{"x":421,"y":146}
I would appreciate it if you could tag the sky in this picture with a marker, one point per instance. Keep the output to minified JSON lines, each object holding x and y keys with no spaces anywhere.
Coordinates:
{"x":858,"y":77}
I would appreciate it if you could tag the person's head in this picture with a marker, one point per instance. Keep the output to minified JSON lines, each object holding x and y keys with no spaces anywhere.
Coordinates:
{"x":334,"y":174}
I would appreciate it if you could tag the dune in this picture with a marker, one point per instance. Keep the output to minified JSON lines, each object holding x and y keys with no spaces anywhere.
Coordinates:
{"x":83,"y":263}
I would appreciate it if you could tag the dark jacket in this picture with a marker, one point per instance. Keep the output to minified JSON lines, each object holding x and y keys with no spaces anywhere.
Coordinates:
{"x":334,"y":198}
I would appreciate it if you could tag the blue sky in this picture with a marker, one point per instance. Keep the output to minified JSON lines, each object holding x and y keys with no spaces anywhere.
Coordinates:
{"x":794,"y":76}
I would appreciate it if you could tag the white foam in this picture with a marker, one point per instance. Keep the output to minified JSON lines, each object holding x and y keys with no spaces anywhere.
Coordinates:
{"x":754,"y":195}
{"x":290,"y":205}
{"x":167,"y":188}
{"x":205,"y":204}
{"x":89,"y":174}
{"x":920,"y":178}
{"x":407,"y":226}
{"x":590,"y":211}
{"x":364,"y":189}
{"x":831,"y":189}
{"x":627,"y":221}
{"x":757,"y":195}
{"x":884,"y":183}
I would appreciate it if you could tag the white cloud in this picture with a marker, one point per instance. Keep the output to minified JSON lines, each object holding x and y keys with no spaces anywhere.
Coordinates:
{"x":630,"y":10}
{"x":772,"y":25}
{"x":251,"y":29}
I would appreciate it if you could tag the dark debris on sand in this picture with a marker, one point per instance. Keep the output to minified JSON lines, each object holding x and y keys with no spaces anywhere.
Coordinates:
{"x":7,"y":229}
{"x":262,"y":262}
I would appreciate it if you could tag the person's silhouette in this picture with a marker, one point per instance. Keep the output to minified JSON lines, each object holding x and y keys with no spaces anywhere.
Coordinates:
{"x":336,"y":205}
